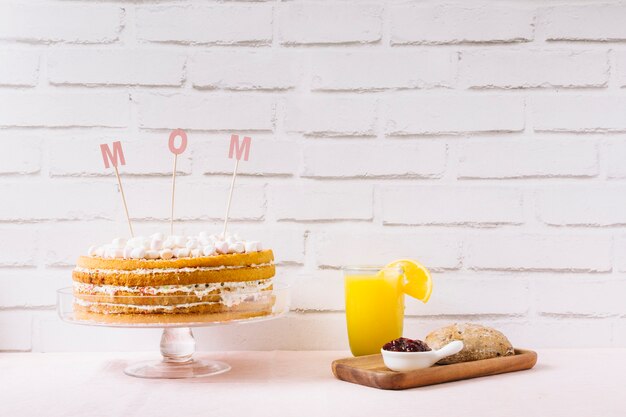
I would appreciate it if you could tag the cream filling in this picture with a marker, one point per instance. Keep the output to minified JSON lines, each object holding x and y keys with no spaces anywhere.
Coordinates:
{"x":228,"y":300}
{"x":199,"y":290}
{"x":144,"y":307}
{"x":168,"y":270}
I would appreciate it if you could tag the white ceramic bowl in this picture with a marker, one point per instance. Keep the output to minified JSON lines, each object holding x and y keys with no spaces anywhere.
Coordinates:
{"x":410,"y":361}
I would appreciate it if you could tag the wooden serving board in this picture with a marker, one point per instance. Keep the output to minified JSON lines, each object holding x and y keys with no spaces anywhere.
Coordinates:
{"x":372,"y":372}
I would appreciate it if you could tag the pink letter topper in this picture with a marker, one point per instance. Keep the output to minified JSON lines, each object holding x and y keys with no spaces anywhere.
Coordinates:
{"x":183,"y":141}
{"x":176,"y":151}
{"x":239,"y":149}
{"x":112,"y":157}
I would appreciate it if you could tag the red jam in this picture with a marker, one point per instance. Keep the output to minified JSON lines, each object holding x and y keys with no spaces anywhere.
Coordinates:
{"x":406,"y":345}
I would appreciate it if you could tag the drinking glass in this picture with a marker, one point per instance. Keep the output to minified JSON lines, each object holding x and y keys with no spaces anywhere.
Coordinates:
{"x":374,"y":306}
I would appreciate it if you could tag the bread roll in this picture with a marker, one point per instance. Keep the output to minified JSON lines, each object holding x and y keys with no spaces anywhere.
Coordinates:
{"x":480,"y":342}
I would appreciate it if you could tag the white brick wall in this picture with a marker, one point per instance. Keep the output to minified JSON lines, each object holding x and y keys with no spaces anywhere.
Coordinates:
{"x":63,"y":109}
{"x":205,"y":24}
{"x":116,"y":67}
{"x":331,"y":115}
{"x":247,"y":69}
{"x":22,"y":153}
{"x":380,"y":70}
{"x":439,"y":114}
{"x":24,"y":68}
{"x":373,"y":159}
{"x":613,"y":152}
{"x":539,"y":156}
{"x":60,"y":23}
{"x":591,"y":22}
{"x":203,"y":112}
{"x":322,"y":23}
{"x":451,"y":205}
{"x":533,"y":69}
{"x":486,"y":139}
{"x":578,"y":112}
{"x":347,"y":246}
{"x":538,"y":252}
{"x":72,"y":155}
{"x":461,"y":23}
{"x":319,"y":202}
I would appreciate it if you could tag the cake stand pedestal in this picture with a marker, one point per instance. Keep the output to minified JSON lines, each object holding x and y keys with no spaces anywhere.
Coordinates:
{"x":177,"y":342}
{"x":177,"y":349}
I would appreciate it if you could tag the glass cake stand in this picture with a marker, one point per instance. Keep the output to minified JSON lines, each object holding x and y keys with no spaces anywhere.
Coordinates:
{"x":177,"y":342}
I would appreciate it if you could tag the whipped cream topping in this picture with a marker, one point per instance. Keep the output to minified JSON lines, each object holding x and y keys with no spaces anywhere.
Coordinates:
{"x":159,"y":246}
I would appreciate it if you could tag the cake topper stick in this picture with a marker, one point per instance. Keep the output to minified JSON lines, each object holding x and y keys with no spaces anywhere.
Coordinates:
{"x":176,"y":151}
{"x":238,"y":150}
{"x":111,"y":158}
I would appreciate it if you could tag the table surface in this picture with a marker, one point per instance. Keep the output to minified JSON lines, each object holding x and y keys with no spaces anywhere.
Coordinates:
{"x":286,"y":383}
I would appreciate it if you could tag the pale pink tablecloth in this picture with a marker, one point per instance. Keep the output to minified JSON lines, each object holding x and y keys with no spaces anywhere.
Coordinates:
{"x":566,"y":383}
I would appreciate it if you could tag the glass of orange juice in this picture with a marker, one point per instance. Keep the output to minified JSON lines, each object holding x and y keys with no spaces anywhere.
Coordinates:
{"x":374,"y":306}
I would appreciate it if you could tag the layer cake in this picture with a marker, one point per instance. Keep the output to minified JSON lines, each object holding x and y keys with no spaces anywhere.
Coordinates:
{"x":175,"y":279}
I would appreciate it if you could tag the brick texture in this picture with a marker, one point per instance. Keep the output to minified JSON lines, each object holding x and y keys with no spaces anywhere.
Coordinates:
{"x":314,"y":202}
{"x":319,"y":116}
{"x":54,"y":200}
{"x":451,"y":205}
{"x":485,"y":140}
{"x":64,"y":109}
{"x":216,"y":24}
{"x":375,"y":160}
{"x":368,"y":70}
{"x":454,"y":114}
{"x":116,"y":67}
{"x":235,"y":70}
{"x":63,"y":160}
{"x":66,"y":23}
{"x":592,"y":22}
{"x":21,"y":68}
{"x":204,"y":112}
{"x":209,"y":156}
{"x":459,"y":24}
{"x":614,"y":152}
{"x":582,"y":205}
{"x":571,"y":252}
{"x":578,"y":113}
{"x":533,"y":69}
{"x":22,"y":153}
{"x":319,"y":23}
{"x":352,"y":247}
{"x":527,"y":158}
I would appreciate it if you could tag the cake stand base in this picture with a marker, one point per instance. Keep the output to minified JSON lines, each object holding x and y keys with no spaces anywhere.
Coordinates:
{"x":174,"y":370}
{"x":177,"y":349}
{"x":177,"y":342}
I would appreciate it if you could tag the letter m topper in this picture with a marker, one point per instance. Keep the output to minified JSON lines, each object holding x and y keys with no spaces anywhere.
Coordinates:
{"x":238,"y":149}
{"x":112,"y":157}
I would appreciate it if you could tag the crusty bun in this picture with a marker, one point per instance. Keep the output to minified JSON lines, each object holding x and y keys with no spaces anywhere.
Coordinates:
{"x":480,"y":342}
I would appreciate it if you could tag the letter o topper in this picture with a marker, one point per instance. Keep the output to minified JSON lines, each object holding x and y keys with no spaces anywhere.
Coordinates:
{"x":172,"y":141}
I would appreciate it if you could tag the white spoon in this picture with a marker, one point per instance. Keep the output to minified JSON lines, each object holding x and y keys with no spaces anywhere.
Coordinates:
{"x":410,"y":361}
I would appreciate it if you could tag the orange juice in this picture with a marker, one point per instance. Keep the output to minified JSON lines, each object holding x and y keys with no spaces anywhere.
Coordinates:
{"x":374,"y":307}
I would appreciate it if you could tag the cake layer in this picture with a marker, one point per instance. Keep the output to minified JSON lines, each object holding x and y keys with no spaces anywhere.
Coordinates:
{"x":172,"y":276}
{"x":213,"y":313}
{"x":172,"y":295}
{"x":197,"y":290}
{"x":182,"y":308}
{"x":231,"y":259}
